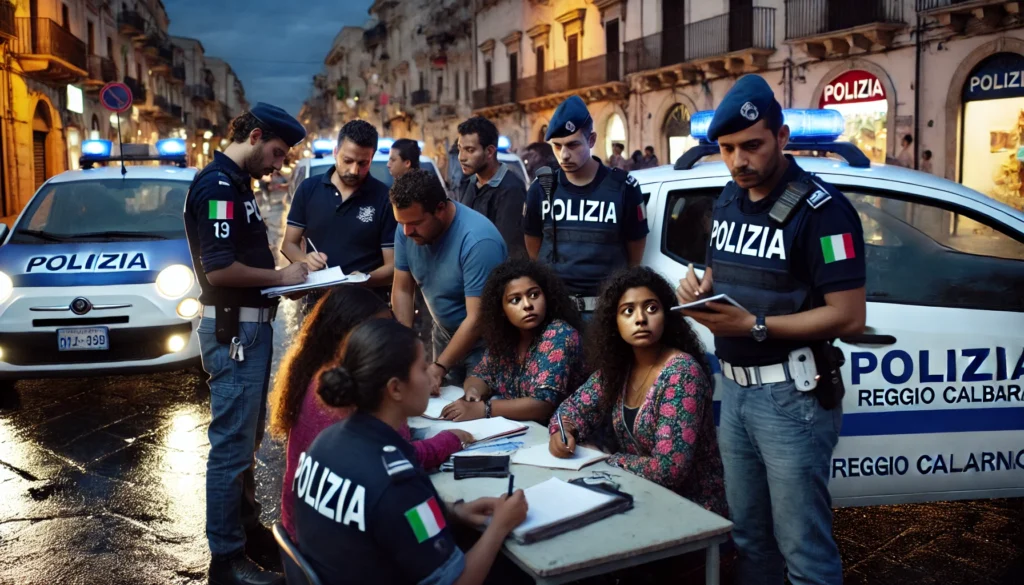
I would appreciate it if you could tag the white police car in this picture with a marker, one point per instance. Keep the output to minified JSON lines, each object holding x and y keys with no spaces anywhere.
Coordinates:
{"x":96,"y":275}
{"x":934,"y":406}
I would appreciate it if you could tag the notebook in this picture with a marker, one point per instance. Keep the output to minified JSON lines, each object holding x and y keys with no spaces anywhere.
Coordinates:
{"x":317,"y":279}
{"x":448,"y":395}
{"x":556,"y":507}
{"x":482,"y":429}
{"x":540,"y":456}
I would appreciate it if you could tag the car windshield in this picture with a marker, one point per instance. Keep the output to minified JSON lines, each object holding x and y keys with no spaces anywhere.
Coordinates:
{"x":107,"y":209}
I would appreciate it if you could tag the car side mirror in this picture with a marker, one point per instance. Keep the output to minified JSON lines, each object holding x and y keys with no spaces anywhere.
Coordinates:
{"x":4,"y":230}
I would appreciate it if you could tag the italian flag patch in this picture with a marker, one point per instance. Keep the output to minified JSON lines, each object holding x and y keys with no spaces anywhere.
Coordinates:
{"x":641,"y":212}
{"x":222,"y":210}
{"x":838,"y":247}
{"x":426,"y":520}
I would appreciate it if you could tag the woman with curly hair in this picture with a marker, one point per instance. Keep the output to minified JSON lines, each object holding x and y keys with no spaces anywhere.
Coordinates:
{"x":655,"y":380}
{"x":298,"y":415}
{"x":534,"y":355}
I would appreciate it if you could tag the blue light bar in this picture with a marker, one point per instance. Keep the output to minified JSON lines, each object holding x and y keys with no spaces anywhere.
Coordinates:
{"x":170,"y":147}
{"x":100,"y":148}
{"x":804,"y":125}
{"x":384,"y":145}
{"x":323,"y":146}
{"x":504,"y":144}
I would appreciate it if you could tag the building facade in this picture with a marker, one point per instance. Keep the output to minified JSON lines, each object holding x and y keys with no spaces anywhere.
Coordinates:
{"x":56,"y":55}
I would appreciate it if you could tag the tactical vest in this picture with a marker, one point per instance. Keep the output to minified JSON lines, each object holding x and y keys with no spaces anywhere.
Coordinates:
{"x":752,"y":263}
{"x":583,"y":235}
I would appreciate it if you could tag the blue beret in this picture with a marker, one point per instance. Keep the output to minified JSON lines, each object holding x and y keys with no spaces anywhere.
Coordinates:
{"x":569,"y":117}
{"x":750,"y":100}
{"x":279,"y":122}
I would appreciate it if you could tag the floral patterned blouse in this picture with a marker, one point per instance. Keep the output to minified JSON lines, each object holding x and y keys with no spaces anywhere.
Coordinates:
{"x":673,"y":440}
{"x":553,"y":367}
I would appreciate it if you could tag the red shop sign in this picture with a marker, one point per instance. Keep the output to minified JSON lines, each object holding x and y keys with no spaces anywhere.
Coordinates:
{"x":852,"y":87}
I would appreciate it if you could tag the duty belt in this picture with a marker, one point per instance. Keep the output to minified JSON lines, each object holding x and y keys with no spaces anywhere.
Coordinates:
{"x":584,"y":304}
{"x":755,"y":375}
{"x":247,"y":314}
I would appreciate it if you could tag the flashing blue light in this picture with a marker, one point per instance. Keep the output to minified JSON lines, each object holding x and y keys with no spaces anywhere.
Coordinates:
{"x":97,"y":147}
{"x":170,"y":147}
{"x":504,"y":144}
{"x":804,"y":125}
{"x":323,"y":146}
{"x":384,"y":145}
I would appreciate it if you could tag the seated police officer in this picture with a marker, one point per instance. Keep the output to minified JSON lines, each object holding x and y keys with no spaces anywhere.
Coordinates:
{"x":367,"y":513}
{"x":588,"y":221}
{"x":232,"y":259}
{"x":788,"y":248}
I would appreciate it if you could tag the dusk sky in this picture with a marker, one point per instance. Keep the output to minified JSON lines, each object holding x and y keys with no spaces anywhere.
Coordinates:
{"x":275,"y":47}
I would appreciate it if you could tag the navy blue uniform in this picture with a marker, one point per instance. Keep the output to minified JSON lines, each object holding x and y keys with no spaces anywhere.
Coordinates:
{"x":780,"y":271}
{"x":223,"y":226}
{"x":589,"y":225}
{"x":368,"y":513}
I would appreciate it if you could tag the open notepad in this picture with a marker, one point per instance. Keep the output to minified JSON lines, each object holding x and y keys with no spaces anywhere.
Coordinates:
{"x":556,"y":506}
{"x":540,"y":456}
{"x":448,"y":395}
{"x":317,"y":279}
{"x":482,"y":429}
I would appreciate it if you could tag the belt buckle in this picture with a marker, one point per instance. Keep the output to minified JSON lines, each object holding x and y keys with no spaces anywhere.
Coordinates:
{"x":740,"y":373}
{"x":581,"y":305}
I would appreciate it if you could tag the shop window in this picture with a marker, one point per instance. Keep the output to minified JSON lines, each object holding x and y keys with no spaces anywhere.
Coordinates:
{"x":860,"y":97}
{"x":688,"y":225}
{"x":614,"y":132}
{"x":677,"y":132}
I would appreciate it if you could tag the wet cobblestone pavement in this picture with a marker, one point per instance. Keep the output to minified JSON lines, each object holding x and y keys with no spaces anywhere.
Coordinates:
{"x":103,"y":481}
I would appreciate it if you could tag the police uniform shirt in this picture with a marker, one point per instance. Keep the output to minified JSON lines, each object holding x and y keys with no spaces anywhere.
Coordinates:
{"x":821,"y":247}
{"x":223,"y":226}
{"x":352,"y":232}
{"x":368,"y":513}
{"x":604,"y":215}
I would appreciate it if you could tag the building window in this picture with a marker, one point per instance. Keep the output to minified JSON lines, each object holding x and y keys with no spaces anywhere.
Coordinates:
{"x":90,"y":35}
{"x":465,"y":80}
{"x":65,"y":18}
{"x":615,"y":133}
{"x":440,"y":87}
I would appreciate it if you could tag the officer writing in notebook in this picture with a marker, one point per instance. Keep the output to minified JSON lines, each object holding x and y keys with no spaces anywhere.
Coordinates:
{"x":232,"y":260}
{"x":789,"y":248}
{"x":586,"y":220}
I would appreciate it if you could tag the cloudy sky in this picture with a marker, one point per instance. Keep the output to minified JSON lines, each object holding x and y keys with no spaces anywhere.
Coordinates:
{"x":275,"y":47}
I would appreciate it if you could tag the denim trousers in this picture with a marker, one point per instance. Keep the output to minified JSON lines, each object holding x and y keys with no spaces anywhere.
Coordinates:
{"x":238,"y":405}
{"x":777,"y":447}
{"x":457,"y":373}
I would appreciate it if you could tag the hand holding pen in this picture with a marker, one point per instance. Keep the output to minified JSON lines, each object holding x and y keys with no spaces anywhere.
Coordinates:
{"x":315,"y":260}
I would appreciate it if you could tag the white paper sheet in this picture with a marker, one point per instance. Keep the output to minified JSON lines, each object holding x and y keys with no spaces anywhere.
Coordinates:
{"x":482,"y":429}
{"x":554,"y":501}
{"x":540,"y":456}
{"x":448,"y":395}
{"x":317,"y":279}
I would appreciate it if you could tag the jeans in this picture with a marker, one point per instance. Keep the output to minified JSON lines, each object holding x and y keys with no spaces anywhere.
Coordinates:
{"x":238,"y":404}
{"x":777,"y":447}
{"x":457,"y":373}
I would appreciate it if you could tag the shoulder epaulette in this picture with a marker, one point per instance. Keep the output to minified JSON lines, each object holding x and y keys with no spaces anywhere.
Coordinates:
{"x":395,"y":464}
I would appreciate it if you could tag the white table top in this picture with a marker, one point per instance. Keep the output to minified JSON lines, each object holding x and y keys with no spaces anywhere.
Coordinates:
{"x":660,"y":519}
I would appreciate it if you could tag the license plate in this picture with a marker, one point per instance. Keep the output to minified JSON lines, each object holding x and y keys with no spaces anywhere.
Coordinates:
{"x":83,"y":339}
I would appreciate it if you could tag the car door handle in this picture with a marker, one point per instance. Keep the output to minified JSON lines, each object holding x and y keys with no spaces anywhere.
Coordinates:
{"x":868,"y":339}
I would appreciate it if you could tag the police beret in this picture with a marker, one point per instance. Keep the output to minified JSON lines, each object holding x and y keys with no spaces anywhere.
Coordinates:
{"x":751,"y":99}
{"x":569,"y":117}
{"x":279,"y":122}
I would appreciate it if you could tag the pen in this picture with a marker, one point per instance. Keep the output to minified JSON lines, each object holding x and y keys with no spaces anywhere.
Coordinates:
{"x":312,"y":246}
{"x":511,"y":478}
{"x":561,"y":429}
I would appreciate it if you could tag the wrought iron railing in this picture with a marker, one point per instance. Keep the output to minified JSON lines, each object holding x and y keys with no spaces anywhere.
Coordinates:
{"x":42,"y":36}
{"x":7,"y":28}
{"x":138,"y":90}
{"x":420,"y":97}
{"x":808,"y":18}
{"x":102,"y":69}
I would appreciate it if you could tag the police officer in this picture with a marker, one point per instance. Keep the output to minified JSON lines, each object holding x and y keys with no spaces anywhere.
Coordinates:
{"x":368,"y":513}
{"x":233,"y":261}
{"x":789,"y":248}
{"x":586,"y":220}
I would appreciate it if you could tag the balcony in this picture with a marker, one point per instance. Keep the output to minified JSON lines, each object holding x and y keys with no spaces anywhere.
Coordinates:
{"x":49,"y":52}
{"x":201,"y":92}
{"x":176,"y":112}
{"x":131,"y":23}
{"x":970,"y":15}
{"x":375,"y":37}
{"x":7,"y":28}
{"x":420,"y":97}
{"x":178,"y":74}
{"x":444,"y":112}
{"x":101,"y":72}
{"x":593,"y":79}
{"x":204,"y":124}
{"x":138,"y":90}
{"x":830,"y":28}
{"x":159,"y":53}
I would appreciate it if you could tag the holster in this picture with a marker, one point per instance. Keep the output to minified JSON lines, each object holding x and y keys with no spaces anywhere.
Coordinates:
{"x":829,"y":359}
{"x":226,"y":323}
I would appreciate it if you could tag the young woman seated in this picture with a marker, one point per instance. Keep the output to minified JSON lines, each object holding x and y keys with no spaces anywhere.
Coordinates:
{"x":296,"y":414}
{"x":655,"y":382}
{"x":534,"y":353}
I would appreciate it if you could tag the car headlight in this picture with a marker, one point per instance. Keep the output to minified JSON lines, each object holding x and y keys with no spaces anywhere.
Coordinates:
{"x":174,"y":281}
{"x":6,"y":287}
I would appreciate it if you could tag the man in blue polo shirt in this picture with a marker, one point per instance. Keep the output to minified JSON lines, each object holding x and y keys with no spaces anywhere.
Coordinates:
{"x":448,"y":250}
{"x":346,"y":215}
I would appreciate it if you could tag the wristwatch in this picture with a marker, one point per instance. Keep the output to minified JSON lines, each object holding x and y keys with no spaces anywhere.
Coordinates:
{"x":759,"y":331}
{"x":487,"y":408}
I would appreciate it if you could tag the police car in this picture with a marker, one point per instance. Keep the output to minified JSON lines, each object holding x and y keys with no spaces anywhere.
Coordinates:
{"x":95,"y":275}
{"x":934,"y":406}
